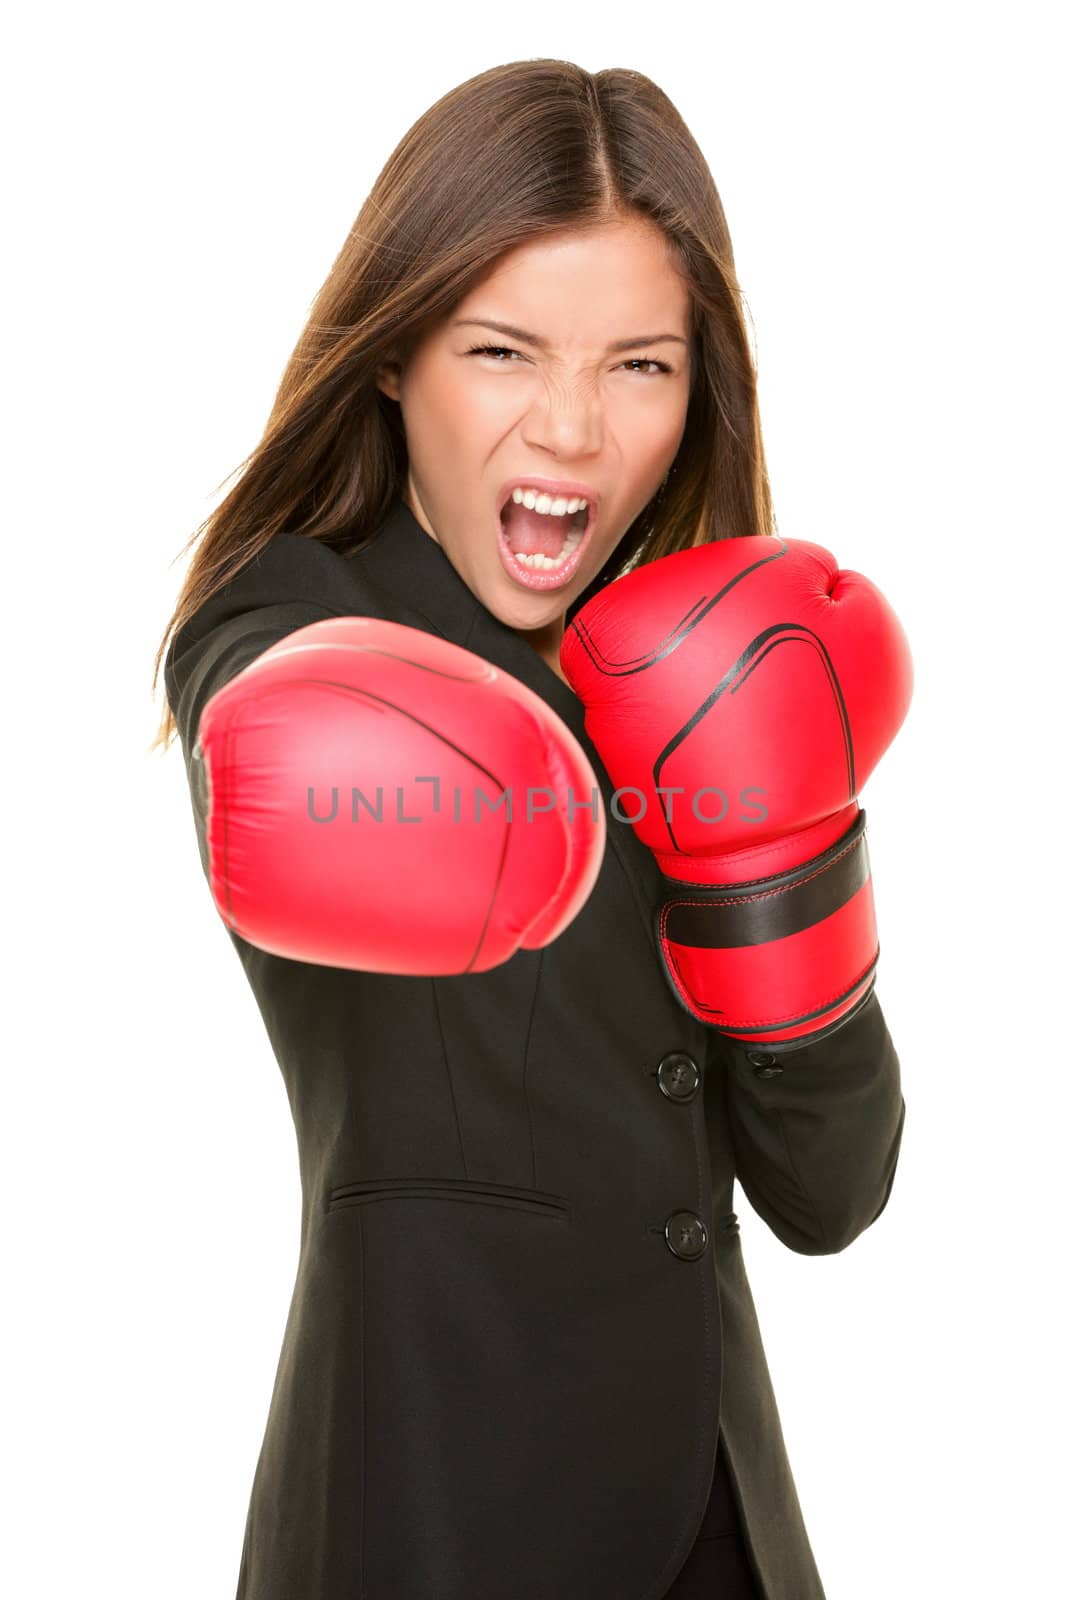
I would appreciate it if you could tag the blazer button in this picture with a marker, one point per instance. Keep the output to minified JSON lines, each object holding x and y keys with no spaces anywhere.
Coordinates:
{"x":763,"y":1064}
{"x":687,"y":1236}
{"x":678,"y":1076}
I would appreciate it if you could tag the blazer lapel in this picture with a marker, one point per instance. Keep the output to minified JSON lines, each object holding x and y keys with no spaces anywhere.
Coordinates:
{"x":403,"y":558}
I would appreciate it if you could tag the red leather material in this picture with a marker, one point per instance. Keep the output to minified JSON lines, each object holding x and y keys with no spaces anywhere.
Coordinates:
{"x":762,"y":685}
{"x":420,"y":871}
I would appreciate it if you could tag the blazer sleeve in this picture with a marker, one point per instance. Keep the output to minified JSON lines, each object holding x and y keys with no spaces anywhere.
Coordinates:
{"x":817,"y":1131}
{"x":292,"y":582}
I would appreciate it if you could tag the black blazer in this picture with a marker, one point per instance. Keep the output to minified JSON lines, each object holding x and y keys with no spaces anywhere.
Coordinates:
{"x":521,"y":1321}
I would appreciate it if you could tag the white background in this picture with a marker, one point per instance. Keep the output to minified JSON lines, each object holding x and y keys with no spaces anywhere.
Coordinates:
{"x":177,"y":186}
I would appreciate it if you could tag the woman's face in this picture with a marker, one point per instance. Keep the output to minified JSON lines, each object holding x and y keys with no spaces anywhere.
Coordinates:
{"x":582,"y":395}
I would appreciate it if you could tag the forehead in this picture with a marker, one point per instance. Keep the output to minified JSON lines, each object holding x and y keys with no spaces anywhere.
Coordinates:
{"x":589,"y":285}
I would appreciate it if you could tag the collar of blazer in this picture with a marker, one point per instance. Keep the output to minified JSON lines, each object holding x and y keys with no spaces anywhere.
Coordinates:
{"x":402,"y":558}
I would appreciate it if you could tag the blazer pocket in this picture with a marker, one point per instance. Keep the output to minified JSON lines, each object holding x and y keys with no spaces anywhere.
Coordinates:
{"x":536,"y":1201}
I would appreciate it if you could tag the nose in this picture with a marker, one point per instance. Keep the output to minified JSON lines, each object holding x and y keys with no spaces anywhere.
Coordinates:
{"x":567,"y":419}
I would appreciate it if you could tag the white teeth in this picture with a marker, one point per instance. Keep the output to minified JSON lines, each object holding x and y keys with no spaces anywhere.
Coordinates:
{"x":545,"y":505}
{"x":543,"y":563}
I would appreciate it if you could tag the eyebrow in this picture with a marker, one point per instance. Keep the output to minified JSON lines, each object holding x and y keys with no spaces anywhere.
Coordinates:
{"x":540,"y":344}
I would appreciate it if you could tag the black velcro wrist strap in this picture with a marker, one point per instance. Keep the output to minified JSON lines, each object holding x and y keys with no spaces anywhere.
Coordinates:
{"x":765,"y":909}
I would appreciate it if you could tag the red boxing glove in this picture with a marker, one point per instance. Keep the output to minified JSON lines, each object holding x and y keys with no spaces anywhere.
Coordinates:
{"x":744,"y":690}
{"x":379,"y":798}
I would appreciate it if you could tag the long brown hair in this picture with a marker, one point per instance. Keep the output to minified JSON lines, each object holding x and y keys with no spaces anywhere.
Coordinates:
{"x":511,"y":154}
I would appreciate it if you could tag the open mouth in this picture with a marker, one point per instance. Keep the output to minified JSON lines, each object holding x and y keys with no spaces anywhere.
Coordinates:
{"x":540,"y":545}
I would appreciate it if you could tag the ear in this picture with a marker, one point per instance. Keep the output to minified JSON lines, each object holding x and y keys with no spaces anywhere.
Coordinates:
{"x":388,"y":379}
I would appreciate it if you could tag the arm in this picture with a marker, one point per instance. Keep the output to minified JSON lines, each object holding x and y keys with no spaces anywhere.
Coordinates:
{"x":817,"y":1131}
{"x":754,"y":674}
{"x":374,"y":797}
{"x":291,"y":583}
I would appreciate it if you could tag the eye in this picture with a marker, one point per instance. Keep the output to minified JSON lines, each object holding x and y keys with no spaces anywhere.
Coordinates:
{"x":648,"y":361}
{"x":492,"y":350}
{"x":505,"y":350}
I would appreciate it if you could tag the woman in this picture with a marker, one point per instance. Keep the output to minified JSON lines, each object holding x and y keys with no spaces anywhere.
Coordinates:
{"x":547,"y":1389}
